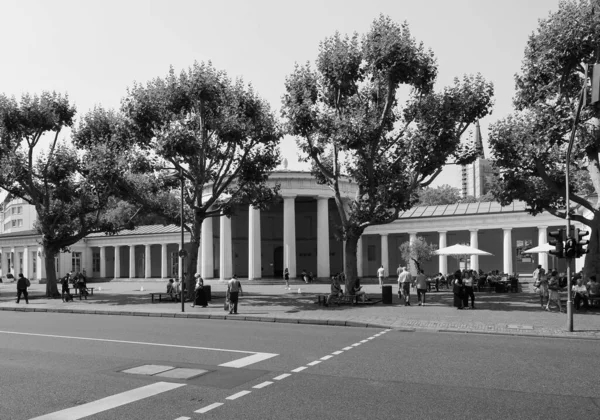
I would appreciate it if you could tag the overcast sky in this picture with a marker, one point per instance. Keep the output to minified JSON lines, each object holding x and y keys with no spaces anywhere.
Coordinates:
{"x":94,"y":50}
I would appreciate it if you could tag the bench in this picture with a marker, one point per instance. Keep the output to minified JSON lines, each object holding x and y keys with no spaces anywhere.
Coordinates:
{"x":174,"y":297}
{"x":89,"y":290}
{"x":339,"y":300}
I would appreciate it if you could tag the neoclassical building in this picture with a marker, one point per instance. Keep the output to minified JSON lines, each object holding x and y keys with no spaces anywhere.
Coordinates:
{"x":297,"y":231}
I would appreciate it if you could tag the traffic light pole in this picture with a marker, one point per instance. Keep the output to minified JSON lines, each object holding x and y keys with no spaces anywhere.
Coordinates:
{"x":568,"y":207}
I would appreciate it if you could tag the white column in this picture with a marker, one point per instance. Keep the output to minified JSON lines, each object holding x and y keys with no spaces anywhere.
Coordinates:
{"x":207,"y":257}
{"x":225,"y":268}
{"x":254,"y":247}
{"x":507,"y":251}
{"x":147,"y":261}
{"x":359,"y":258}
{"x":102,"y":262}
{"x":323,"y":267}
{"x":164,"y":262}
{"x":131,"y":261}
{"x":385,"y":254}
{"x":17,"y":263}
{"x":4,"y":263}
{"x":412,"y":265}
{"x":542,"y":239}
{"x":13,"y":264}
{"x":117,"y":272}
{"x":41,"y":263}
{"x":443,"y":259}
{"x":289,"y":235}
{"x":88,"y":257}
{"x":474,"y":244}
{"x":25,"y":268}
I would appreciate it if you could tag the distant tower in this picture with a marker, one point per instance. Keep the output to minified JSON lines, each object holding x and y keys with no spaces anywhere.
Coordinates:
{"x":477,"y":177}
{"x":285,"y":164}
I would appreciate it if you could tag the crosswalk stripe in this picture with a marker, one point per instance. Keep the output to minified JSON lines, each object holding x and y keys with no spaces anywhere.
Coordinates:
{"x":238,"y":395}
{"x":208,"y":408}
{"x":282,"y":376}
{"x":111,"y":402}
{"x":264,"y":384}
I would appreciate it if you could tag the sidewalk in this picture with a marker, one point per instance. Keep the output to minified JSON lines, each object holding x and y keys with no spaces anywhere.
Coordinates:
{"x":505,"y":313}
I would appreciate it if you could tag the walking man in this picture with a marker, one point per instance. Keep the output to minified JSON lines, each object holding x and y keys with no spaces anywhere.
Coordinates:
{"x":381,"y":275}
{"x":404,"y":281}
{"x":64,"y":282}
{"x":421,"y":282}
{"x":234,"y":288}
{"x":22,"y":285}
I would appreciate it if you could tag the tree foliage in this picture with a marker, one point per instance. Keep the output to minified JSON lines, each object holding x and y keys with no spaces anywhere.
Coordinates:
{"x":348,"y":119}
{"x":529,"y":146}
{"x":70,"y":190}
{"x":418,"y":251}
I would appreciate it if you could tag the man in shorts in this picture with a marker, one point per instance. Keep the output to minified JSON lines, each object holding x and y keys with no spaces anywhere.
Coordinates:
{"x":404,"y":281}
{"x":381,"y":275}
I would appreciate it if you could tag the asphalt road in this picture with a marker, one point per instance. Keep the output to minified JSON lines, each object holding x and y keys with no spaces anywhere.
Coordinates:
{"x":72,"y":365}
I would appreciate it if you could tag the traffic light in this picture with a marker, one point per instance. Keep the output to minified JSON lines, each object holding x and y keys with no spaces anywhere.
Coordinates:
{"x":571,"y":248}
{"x":557,"y":242}
{"x":581,"y":242}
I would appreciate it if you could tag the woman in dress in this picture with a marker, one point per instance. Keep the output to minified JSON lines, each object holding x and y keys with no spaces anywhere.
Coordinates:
{"x":199,"y":296}
{"x":542,"y":287}
{"x":553,"y":288}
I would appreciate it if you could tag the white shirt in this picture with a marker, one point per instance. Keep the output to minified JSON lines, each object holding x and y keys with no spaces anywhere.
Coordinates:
{"x":380,"y":272}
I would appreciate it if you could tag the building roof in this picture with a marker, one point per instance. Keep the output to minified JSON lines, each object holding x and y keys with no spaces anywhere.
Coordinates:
{"x":464,"y":209}
{"x":143,"y":230}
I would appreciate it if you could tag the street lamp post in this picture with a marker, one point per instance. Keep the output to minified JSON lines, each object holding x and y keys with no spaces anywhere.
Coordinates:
{"x":182,"y":251}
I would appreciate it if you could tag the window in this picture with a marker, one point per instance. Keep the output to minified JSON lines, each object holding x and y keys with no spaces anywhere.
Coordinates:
{"x":20,"y":210}
{"x":14,"y":223}
{"x":20,"y":222}
{"x":96,"y":262}
{"x":76,"y":262}
{"x":34,"y":261}
{"x":174,"y":264}
{"x":21,"y":261}
{"x":13,"y":210}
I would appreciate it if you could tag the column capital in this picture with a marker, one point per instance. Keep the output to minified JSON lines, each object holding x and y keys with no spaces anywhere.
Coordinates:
{"x":442,"y":231}
{"x":473,"y":229}
{"x":507,"y":229}
{"x":324,"y":197}
{"x":384,"y":234}
{"x":542,"y":227}
{"x":289,"y":195}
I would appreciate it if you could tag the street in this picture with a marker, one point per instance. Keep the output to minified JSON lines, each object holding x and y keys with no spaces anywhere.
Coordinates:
{"x":59,"y":366}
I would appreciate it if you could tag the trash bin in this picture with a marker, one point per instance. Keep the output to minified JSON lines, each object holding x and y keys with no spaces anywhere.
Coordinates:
{"x":207,"y":293}
{"x":386,"y":295}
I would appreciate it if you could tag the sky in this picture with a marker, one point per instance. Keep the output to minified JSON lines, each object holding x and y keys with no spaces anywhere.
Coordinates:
{"x":93,"y":51}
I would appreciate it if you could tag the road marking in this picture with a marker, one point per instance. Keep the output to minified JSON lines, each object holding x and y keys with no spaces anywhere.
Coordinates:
{"x":300,"y":369}
{"x":248,"y":360}
{"x":264,"y":384}
{"x":316,"y":362}
{"x":254,"y":357}
{"x":183,"y":418}
{"x":370,"y":338}
{"x":337,"y":352}
{"x":208,"y":408}
{"x":356,"y":344}
{"x":280,"y":377}
{"x":111,"y":402}
{"x":238,"y":395}
{"x":329,"y":356}
{"x":347,"y":348}
{"x":364,"y":341}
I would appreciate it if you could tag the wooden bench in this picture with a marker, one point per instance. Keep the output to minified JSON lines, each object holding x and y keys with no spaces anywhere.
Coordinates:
{"x":339,"y":300}
{"x":89,"y":290}
{"x":174,"y":297}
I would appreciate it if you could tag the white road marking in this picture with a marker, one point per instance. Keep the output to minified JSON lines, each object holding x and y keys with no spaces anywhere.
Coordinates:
{"x":183,"y":418}
{"x":111,"y":402}
{"x":356,"y":344}
{"x":248,"y":360}
{"x":364,"y":341}
{"x":329,"y":356}
{"x":208,"y":408}
{"x":238,"y":395}
{"x":300,"y":369}
{"x":370,"y":338}
{"x":264,"y":384}
{"x":347,"y":348}
{"x":337,"y":352}
{"x":280,"y":377}
{"x":254,"y":357}
{"x":316,"y":362}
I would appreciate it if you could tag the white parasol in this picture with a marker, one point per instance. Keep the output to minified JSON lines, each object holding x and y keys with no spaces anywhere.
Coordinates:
{"x":460,"y":249}
{"x":540,"y":249}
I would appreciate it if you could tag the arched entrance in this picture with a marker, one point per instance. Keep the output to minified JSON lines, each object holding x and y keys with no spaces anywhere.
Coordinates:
{"x":278,"y":262}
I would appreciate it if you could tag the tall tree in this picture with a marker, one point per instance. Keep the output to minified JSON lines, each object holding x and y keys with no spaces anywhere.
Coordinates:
{"x":349,"y":121}
{"x":71,"y":190}
{"x":443,"y":194}
{"x":217,"y":132}
{"x":530,"y":145}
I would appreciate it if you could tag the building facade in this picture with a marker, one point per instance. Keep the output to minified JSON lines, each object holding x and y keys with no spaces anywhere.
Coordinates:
{"x":298,"y":232}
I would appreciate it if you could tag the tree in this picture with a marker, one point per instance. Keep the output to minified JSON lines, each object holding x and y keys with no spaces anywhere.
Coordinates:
{"x":218,"y":133}
{"x":418,"y":251}
{"x":349,"y":122}
{"x":530,"y":145}
{"x":71,"y":190}
{"x":444,"y":194}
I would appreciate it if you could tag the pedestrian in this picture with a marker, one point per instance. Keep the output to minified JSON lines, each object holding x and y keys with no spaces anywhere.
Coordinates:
{"x":335,"y":289}
{"x":22,"y":284}
{"x":234,"y":289}
{"x":457,"y":290}
{"x":199,"y":296}
{"x":580,"y":293}
{"x":593,"y":289}
{"x":553,"y":288}
{"x":468,"y":283}
{"x":421,"y":282}
{"x":540,"y":285}
{"x":286,"y":277}
{"x":64,"y":282}
{"x":404,"y":281}
{"x":381,"y":275}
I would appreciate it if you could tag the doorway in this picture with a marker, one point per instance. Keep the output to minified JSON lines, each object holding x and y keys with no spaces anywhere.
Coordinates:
{"x":278,"y":262}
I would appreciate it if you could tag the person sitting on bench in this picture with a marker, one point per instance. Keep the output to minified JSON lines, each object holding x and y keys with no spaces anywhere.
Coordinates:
{"x":358,"y":291}
{"x":336,"y":289}
{"x":172,"y":290}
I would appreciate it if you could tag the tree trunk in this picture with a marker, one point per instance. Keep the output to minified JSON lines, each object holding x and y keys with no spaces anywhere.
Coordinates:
{"x":192,"y":258}
{"x":592,"y":258}
{"x":351,"y":266}
{"x":51,"y":287}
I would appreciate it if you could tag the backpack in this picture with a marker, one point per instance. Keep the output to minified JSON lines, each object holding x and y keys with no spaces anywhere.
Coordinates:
{"x":27,"y":282}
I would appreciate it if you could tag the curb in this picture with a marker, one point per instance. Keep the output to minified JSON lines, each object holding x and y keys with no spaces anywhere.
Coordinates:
{"x":304,"y":321}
